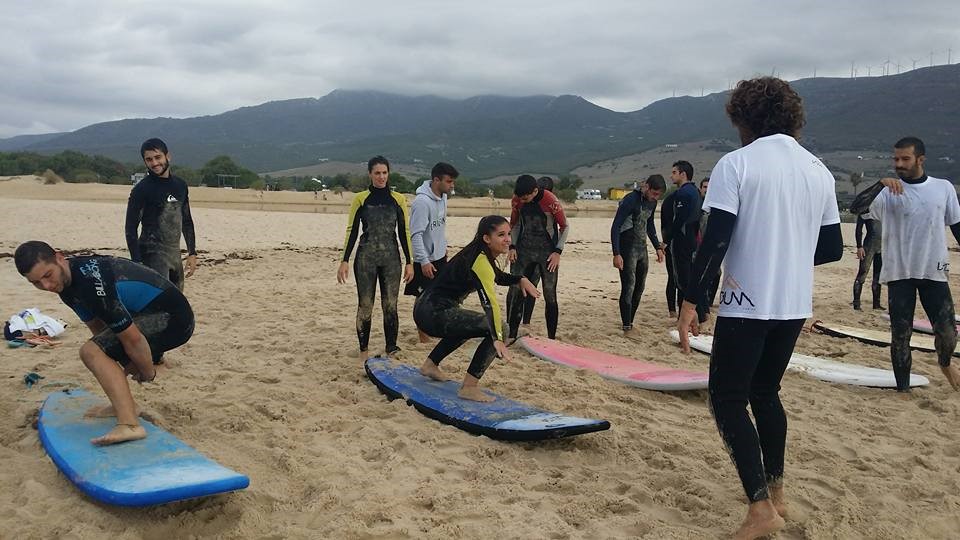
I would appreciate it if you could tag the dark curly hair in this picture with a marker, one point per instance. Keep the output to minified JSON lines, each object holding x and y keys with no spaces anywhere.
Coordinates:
{"x":766,"y":106}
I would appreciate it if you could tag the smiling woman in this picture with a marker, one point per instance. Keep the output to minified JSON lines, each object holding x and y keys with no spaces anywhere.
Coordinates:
{"x":438,"y":310}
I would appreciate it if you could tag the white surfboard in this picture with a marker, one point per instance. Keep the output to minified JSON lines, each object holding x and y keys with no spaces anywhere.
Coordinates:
{"x":920,"y":325}
{"x":876,"y":337}
{"x":822,"y":368}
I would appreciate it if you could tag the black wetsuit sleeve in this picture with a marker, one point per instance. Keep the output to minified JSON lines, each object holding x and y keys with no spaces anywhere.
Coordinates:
{"x":858,"y":232}
{"x":955,"y":229}
{"x":829,"y":245}
{"x":132,"y":223}
{"x":871,"y":228}
{"x":188,"y":233}
{"x":861,"y":203}
{"x":666,"y":216}
{"x":710,"y":255}
{"x":353,"y":225}
{"x":652,"y":229}
{"x":623,"y":212}
{"x":403,"y":228}
{"x":504,"y":279}
{"x":683,"y":207}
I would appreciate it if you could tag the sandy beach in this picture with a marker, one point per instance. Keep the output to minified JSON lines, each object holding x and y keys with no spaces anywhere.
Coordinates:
{"x":269,"y":385}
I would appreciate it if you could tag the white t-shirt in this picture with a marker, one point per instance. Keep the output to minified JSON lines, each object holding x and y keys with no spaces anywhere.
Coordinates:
{"x":914,"y":237}
{"x":781,"y":194}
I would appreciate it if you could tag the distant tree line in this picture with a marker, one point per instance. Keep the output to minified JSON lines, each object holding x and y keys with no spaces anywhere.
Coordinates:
{"x":76,"y":167}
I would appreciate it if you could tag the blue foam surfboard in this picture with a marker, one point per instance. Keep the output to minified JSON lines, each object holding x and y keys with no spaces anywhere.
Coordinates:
{"x":155,"y":470}
{"x":503,"y":418}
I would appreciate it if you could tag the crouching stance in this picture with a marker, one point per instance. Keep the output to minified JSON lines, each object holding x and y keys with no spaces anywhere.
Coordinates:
{"x":438,"y":311}
{"x":135,"y":316}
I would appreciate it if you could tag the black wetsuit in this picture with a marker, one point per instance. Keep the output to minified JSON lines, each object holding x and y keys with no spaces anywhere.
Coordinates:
{"x":871,"y":245}
{"x":119,"y":293}
{"x":161,"y":208}
{"x":631,"y":227}
{"x":711,"y":293}
{"x":383,"y":215}
{"x":666,"y":220}
{"x":683,"y":238}
{"x":438,"y":310}
{"x":535,"y":238}
{"x":746,"y":366}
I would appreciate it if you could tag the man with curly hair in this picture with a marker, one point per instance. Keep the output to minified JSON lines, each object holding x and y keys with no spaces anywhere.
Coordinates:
{"x":767,"y":289}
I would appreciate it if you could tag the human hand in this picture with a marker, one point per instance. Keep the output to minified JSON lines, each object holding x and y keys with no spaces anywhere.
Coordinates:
{"x":191,"y":265}
{"x":501,"y":349}
{"x":687,"y":323}
{"x":553,"y":261}
{"x":428,"y":270}
{"x":512,"y":255}
{"x":660,"y":254}
{"x":618,"y":262}
{"x":893,"y":184}
{"x":343,"y":272}
{"x":528,"y":288}
{"x":408,"y":273}
{"x":861,"y":253}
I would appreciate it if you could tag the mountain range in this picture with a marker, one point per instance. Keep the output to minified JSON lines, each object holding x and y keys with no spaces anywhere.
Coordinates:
{"x":486,"y":136}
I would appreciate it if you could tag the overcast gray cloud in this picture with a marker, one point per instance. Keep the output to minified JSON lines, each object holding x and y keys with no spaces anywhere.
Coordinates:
{"x":65,"y":64}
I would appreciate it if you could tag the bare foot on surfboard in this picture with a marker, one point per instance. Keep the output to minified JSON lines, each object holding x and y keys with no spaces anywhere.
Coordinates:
{"x":121,"y":433}
{"x":474,"y":393}
{"x":433,"y":371}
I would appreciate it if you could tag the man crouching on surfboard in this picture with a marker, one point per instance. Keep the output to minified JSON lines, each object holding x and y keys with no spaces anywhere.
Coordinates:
{"x":135,"y":316}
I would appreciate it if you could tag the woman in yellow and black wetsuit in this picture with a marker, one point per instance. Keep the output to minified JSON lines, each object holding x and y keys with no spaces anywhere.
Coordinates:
{"x":438,"y":310}
{"x":384,"y":216}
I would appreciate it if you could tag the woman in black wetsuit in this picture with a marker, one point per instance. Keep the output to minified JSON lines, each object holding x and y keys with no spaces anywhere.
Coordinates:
{"x":385,"y":218}
{"x":438,"y":310}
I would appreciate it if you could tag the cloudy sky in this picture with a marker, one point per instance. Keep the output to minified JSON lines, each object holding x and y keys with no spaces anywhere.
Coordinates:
{"x":65,"y":64}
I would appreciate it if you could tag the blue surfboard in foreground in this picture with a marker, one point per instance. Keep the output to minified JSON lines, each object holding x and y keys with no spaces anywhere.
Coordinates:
{"x":503,"y":419}
{"x":155,"y":470}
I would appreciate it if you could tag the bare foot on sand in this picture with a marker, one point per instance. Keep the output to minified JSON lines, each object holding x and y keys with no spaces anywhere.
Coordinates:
{"x":673,"y":315}
{"x":952,"y":373}
{"x":433,"y":371}
{"x":762,"y":520}
{"x":363,"y":356}
{"x":104,"y":411}
{"x":474,"y":393}
{"x":121,"y":433}
{"x":778,"y":500}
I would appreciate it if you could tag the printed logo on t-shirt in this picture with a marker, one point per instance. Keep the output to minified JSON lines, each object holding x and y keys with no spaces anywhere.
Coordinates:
{"x":732,"y":295}
{"x":171,"y":198}
{"x":943,"y":266}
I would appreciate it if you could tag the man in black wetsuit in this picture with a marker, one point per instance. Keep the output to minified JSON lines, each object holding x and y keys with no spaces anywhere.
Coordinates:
{"x":869,"y":252}
{"x":683,"y":230}
{"x":160,"y":206}
{"x":135,"y":316}
{"x":631,"y":227}
{"x":666,"y":219}
{"x":538,"y":229}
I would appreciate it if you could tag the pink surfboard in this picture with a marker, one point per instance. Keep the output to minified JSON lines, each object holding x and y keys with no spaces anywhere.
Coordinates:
{"x":618,"y":368}
{"x":920,"y":325}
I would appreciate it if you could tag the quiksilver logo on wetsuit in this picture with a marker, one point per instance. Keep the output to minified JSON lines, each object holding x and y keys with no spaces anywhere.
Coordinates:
{"x":92,"y":269}
{"x":729,"y":295}
{"x":171,"y":198}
